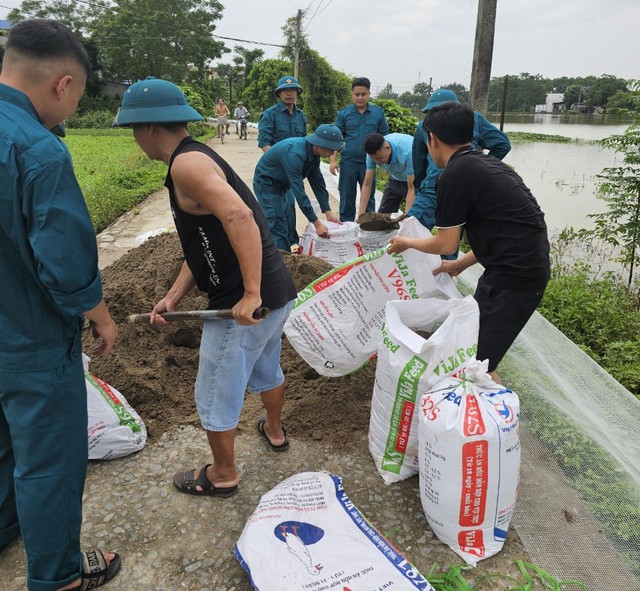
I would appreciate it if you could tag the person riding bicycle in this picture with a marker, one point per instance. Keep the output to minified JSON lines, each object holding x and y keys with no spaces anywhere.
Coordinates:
{"x":222,"y":111}
{"x":240,"y":113}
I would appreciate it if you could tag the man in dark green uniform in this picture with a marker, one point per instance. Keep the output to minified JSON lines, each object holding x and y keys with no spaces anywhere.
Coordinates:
{"x":356,"y":122}
{"x":49,"y":283}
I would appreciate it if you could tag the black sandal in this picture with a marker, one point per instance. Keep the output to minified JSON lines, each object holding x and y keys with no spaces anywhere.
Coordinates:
{"x":260,"y":427}
{"x":185,"y":483}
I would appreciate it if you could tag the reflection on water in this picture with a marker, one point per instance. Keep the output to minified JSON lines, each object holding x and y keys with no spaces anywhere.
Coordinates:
{"x":588,"y":127}
{"x":562,"y":179}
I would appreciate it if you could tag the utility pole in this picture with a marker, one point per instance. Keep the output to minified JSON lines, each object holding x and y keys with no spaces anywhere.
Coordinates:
{"x":483,"y":55}
{"x":297,"y":47}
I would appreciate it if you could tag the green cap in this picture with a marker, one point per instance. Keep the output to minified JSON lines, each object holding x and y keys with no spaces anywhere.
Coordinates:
{"x":443,"y":95}
{"x":153,"y":100}
{"x":327,"y":136}
{"x":288,"y":82}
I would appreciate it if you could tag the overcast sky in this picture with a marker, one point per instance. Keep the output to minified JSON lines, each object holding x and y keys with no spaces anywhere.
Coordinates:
{"x":407,"y":41}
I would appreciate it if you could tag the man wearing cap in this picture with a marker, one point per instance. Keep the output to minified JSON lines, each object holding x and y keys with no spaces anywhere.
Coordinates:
{"x":280,"y":122}
{"x":240,"y":112}
{"x":230,"y":256}
{"x":356,"y":122}
{"x":486,"y":136}
{"x":49,"y":284}
{"x":283,"y":168}
{"x":392,"y":153}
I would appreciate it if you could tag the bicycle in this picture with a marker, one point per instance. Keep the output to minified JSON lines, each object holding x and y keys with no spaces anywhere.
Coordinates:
{"x":222,"y":128}
{"x":243,"y":128}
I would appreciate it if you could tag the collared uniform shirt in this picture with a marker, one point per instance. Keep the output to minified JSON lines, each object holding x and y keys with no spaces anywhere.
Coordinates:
{"x":486,"y":136}
{"x":355,"y":128}
{"x":48,"y":253}
{"x":400,"y":165}
{"x":277,"y":124}
{"x":286,"y":165}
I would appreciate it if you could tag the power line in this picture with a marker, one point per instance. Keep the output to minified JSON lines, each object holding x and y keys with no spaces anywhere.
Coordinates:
{"x":318,"y":12}
{"x":313,"y":15}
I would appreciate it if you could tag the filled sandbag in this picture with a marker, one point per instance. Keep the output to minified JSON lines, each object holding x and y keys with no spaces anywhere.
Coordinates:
{"x":306,"y":534}
{"x":469,"y":448}
{"x":346,"y":242}
{"x":335,"y":321}
{"x":114,"y":428}
{"x":423,"y":341}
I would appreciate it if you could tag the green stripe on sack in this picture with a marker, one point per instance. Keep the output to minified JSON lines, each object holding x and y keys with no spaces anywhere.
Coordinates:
{"x":126,"y":420}
{"x":309,"y":291}
{"x":406,"y":391}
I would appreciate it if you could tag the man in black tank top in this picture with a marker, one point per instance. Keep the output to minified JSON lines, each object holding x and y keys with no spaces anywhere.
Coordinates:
{"x":229,"y":254}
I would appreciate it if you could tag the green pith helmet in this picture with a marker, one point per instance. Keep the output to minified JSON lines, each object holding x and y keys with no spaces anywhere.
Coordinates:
{"x":443,"y":95}
{"x":288,"y":82}
{"x":153,"y":100}
{"x":327,"y":136}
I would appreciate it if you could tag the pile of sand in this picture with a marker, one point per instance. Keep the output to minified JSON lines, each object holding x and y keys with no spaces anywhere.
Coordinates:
{"x":155,"y":368}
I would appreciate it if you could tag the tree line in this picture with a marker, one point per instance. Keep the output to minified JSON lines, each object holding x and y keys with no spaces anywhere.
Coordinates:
{"x":176,"y":39}
{"x":525,"y":91}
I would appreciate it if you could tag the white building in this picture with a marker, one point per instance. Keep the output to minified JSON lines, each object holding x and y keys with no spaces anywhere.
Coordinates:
{"x":554,"y":103}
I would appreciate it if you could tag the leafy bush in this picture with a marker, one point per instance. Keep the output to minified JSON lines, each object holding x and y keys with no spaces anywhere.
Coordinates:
{"x":98,"y":103}
{"x":400,"y":119}
{"x":602,"y":317}
{"x":91,"y":120}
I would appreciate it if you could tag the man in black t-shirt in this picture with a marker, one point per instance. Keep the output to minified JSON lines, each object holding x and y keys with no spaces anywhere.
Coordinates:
{"x":229,"y":254}
{"x":504,"y":225}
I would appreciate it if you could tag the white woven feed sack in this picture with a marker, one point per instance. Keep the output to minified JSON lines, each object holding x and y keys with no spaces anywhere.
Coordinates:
{"x":335,"y":321}
{"x":409,"y":365}
{"x":114,"y":428}
{"x":469,"y":462}
{"x":306,"y":534}
{"x":346,"y":242}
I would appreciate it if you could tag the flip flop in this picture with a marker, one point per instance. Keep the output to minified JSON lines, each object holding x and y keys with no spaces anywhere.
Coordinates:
{"x":185,"y":483}
{"x":95,"y":571}
{"x":282,"y":447}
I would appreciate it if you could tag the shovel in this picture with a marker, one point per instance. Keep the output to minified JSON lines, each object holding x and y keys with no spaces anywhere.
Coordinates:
{"x":259,"y":314}
{"x":379,"y":222}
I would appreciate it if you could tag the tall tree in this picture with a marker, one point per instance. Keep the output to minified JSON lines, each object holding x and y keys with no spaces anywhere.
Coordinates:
{"x":461,"y":91}
{"x":262,"y":81}
{"x":72,"y":14}
{"x":326,"y":90}
{"x":387,"y":93}
{"x":604,"y":88}
{"x":76,"y":17}
{"x":525,"y":92}
{"x":164,"y":38}
{"x":250,"y":57}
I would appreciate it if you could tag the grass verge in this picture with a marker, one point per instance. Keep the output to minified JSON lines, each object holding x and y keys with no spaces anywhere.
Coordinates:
{"x":113,"y":172}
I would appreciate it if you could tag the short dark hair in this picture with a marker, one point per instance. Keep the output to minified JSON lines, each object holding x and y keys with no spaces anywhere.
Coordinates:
{"x":373,"y":143}
{"x":43,"y":39}
{"x":451,"y":122}
{"x":361,"y":82}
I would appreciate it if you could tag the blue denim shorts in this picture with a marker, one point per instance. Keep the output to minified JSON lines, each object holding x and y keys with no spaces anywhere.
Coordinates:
{"x":234,"y":359}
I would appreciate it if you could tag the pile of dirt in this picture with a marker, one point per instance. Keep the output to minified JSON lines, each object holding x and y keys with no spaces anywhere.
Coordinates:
{"x":155,"y":368}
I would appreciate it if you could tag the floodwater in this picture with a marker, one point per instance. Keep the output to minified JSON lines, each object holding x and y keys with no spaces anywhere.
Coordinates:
{"x":562,"y":177}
